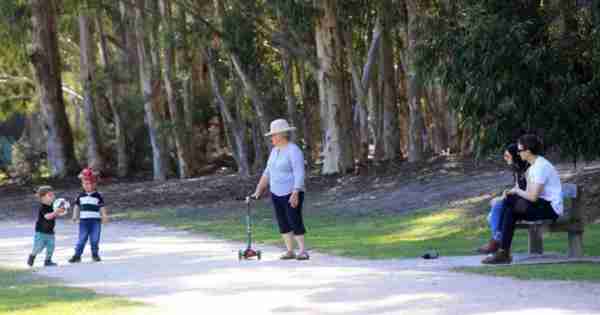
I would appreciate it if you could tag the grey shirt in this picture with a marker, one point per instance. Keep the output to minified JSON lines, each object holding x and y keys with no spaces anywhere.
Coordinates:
{"x":285,"y":170}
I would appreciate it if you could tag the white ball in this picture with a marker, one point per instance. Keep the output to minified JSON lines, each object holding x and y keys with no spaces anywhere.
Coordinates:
{"x":61,"y":203}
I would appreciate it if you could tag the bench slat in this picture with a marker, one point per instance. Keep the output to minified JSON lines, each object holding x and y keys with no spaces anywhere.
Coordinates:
{"x":540,"y":222}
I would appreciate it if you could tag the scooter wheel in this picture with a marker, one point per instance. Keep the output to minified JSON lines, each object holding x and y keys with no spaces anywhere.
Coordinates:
{"x":258,"y":254}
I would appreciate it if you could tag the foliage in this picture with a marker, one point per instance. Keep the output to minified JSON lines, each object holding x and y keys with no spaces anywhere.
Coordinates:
{"x":298,"y":14}
{"x":5,"y":151}
{"x":240,"y":29}
{"x":27,"y":162}
{"x":16,"y":89}
{"x":509,"y":69}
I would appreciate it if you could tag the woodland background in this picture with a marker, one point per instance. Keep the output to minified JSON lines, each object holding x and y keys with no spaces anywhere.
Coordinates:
{"x":181,"y":88}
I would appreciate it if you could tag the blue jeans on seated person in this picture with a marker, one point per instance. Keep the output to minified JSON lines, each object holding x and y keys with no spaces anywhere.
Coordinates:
{"x":495,"y":220}
{"x":88,"y":228}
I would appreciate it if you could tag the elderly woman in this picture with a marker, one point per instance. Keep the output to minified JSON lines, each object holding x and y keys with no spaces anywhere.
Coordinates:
{"x":541,"y":200}
{"x":284,"y":174}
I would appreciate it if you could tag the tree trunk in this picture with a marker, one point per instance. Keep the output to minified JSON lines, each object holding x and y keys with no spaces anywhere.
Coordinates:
{"x":453,"y":132}
{"x":376,"y":113}
{"x":288,"y":84}
{"x":45,"y":58}
{"x":252,"y":93}
{"x":335,"y":110}
{"x":414,"y":89}
{"x":90,"y":94}
{"x":391,"y":126}
{"x":187,"y":105}
{"x":427,"y":112}
{"x":259,"y":148}
{"x":233,"y":125}
{"x":249,"y":86}
{"x":113,"y":94}
{"x":182,"y":145}
{"x":287,"y":65}
{"x":403,"y":111}
{"x":308,"y":114}
{"x":361,"y":87}
{"x":188,"y":57}
{"x":440,"y":119}
{"x":149,"y":83}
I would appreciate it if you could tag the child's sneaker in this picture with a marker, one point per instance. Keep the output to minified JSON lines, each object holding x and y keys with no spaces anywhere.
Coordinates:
{"x":75,"y":259}
{"x":30,"y":260}
{"x":96,"y":258}
{"x":50,"y":263}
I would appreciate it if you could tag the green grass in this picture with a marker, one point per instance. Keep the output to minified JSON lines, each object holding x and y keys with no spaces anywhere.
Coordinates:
{"x":21,"y":293}
{"x":452,"y":231}
{"x":573,"y":271}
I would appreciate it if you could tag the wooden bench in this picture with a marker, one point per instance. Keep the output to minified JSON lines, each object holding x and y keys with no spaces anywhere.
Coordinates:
{"x":572,"y":222}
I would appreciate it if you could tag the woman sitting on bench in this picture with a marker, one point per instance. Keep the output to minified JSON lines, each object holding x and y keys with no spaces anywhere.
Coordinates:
{"x":518,"y":167}
{"x":541,"y":201}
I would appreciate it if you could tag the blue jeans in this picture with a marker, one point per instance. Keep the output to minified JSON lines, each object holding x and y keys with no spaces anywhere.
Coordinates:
{"x":495,"y":219}
{"x":88,"y":228}
{"x":41,"y":241}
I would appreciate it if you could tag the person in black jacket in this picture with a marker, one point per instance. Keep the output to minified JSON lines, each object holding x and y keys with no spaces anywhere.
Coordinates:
{"x":44,"y":226}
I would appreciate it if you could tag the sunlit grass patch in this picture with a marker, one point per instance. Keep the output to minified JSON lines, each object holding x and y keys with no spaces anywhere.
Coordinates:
{"x":22,"y":294}
{"x":378,"y":235}
{"x":453,"y":231}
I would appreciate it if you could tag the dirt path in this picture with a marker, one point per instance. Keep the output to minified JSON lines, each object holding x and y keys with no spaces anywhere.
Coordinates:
{"x":180,"y":273}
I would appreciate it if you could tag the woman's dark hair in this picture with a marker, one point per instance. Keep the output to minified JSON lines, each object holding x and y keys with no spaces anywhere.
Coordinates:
{"x":519,"y":165}
{"x":532,"y":143}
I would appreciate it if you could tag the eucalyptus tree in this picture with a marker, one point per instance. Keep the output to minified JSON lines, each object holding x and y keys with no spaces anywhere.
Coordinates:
{"x":335,"y":108}
{"x":45,"y":57}
{"x":183,"y":147}
{"x":89,"y":80}
{"x":149,"y":62}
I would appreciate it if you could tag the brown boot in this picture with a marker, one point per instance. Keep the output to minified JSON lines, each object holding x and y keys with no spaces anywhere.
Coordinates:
{"x":489,"y":248}
{"x":500,"y":257}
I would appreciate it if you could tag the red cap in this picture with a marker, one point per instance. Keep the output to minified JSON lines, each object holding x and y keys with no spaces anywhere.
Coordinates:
{"x":88,"y":174}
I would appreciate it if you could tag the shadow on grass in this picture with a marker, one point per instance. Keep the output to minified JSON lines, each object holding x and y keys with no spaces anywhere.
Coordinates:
{"x":22,"y":293}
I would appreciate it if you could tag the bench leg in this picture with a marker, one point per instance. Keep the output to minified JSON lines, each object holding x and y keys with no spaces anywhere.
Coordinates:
{"x":536,"y":242}
{"x":575,"y":244}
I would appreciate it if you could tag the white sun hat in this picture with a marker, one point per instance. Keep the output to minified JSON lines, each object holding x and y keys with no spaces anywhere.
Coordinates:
{"x":279,"y":126}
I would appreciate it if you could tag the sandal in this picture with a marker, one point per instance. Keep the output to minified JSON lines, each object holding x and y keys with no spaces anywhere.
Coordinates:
{"x":303,"y":256}
{"x":287,"y":256}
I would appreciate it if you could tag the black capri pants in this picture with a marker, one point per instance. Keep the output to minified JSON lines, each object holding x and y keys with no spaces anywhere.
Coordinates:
{"x":289,"y":219}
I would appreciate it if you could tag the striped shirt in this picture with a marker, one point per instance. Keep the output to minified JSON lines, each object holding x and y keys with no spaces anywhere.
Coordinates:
{"x":89,"y":205}
{"x":285,"y":170}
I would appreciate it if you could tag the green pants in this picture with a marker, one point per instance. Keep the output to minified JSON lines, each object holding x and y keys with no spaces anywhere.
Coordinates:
{"x":41,"y":241}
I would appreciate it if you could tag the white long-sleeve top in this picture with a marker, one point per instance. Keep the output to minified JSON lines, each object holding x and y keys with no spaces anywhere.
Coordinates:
{"x":285,"y":170}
